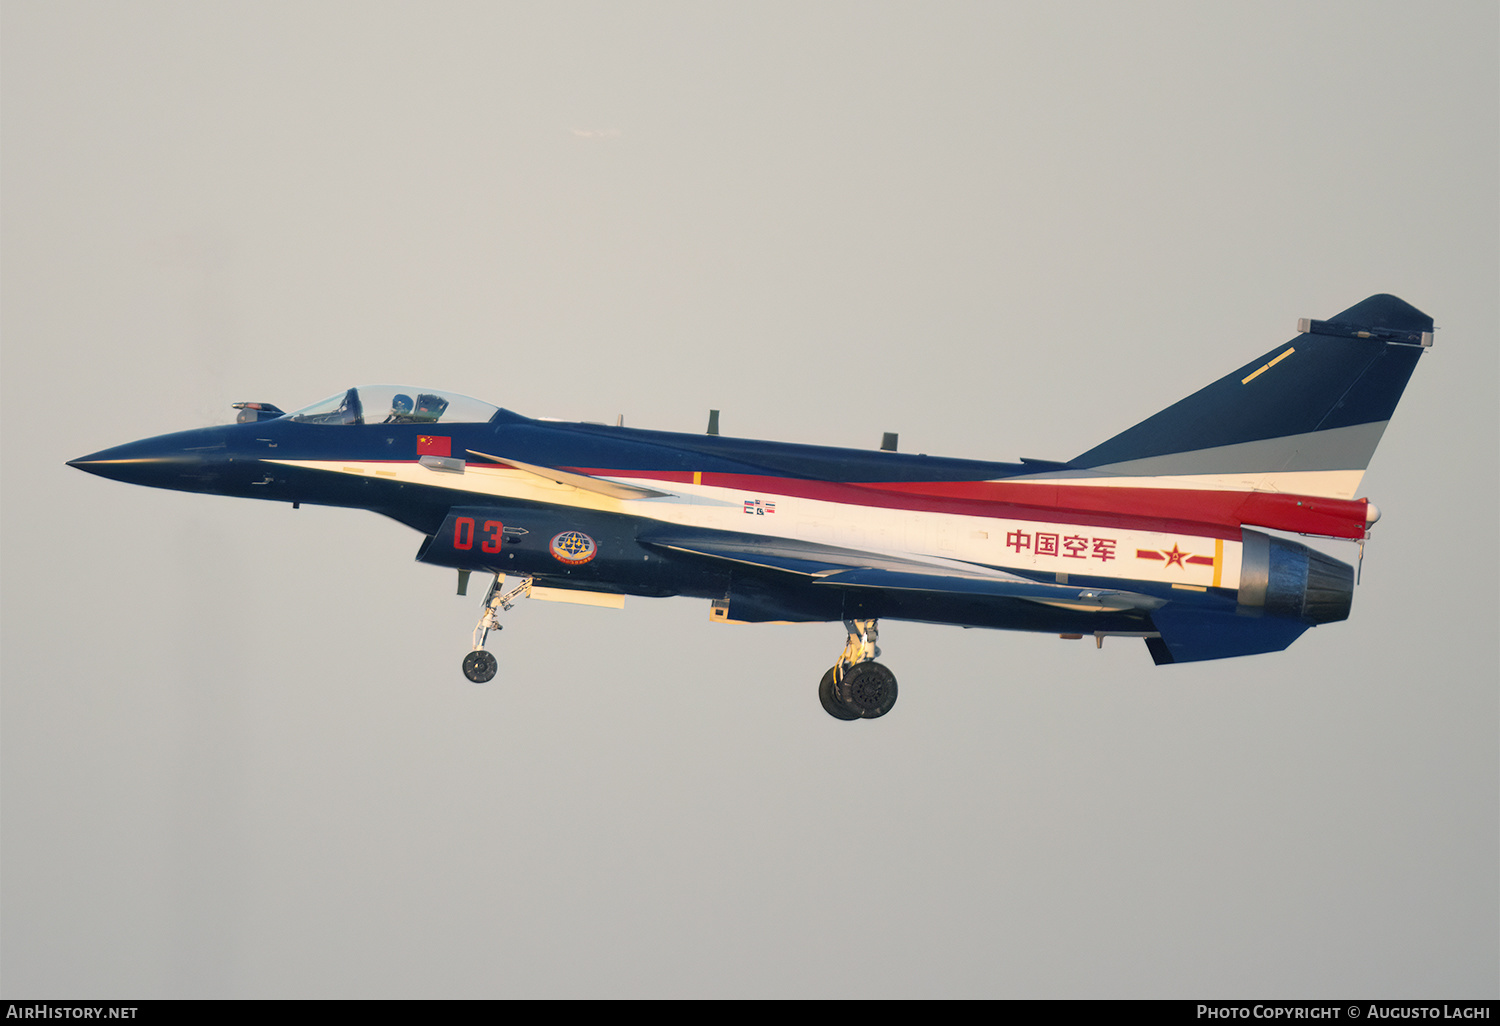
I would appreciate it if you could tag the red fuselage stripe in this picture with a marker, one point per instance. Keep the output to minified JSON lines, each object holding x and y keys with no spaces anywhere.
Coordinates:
{"x":1144,"y":508}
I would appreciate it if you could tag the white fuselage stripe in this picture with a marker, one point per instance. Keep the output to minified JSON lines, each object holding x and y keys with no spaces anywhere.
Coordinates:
{"x":1050,"y":547}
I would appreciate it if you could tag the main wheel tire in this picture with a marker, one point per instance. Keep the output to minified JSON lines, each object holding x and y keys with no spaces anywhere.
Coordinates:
{"x":831,"y":704}
{"x":480,"y":666}
{"x":867,"y":689}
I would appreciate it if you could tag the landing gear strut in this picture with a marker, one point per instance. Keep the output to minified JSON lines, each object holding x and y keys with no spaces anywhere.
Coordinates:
{"x":480,"y":665}
{"x":857,"y":687}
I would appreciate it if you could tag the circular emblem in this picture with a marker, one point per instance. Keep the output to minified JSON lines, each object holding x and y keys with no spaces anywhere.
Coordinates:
{"x":573,"y":548}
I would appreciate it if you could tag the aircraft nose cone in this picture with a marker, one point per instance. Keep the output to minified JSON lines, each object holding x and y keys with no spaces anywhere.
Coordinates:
{"x":183,"y":460}
{"x":100,"y":462}
{"x":131,"y":464}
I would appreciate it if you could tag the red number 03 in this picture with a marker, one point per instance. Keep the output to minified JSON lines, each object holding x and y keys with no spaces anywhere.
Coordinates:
{"x":463,"y":534}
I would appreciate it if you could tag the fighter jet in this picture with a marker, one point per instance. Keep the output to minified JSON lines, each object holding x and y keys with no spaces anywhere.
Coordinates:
{"x":1161,"y":532}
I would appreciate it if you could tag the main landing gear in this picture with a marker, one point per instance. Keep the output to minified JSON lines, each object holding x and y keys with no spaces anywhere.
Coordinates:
{"x":480,"y":665}
{"x":857,"y":687}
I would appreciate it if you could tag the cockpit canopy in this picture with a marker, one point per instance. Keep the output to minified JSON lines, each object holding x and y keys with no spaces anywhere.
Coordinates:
{"x":395,"y":404}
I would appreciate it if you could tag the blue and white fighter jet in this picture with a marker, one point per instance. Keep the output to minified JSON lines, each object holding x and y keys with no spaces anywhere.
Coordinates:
{"x":1157,"y":533}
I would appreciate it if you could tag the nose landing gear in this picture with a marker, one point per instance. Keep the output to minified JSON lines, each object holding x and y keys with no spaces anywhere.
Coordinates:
{"x":857,"y":687}
{"x":480,"y":665}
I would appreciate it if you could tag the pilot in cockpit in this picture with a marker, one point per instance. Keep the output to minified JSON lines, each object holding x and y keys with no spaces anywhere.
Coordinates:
{"x":428,"y":409}
{"x":401,"y":406}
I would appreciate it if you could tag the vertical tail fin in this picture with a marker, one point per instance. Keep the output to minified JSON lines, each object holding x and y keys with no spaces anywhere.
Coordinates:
{"x":1303,"y":418}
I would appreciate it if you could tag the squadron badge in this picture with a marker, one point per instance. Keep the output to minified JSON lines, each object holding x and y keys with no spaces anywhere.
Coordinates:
{"x":573,"y":548}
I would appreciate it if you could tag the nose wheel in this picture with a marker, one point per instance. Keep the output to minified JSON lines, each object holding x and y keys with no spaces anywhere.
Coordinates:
{"x":480,"y":666}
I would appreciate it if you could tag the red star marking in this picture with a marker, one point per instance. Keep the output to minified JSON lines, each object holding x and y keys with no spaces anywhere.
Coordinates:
{"x":1175,"y":556}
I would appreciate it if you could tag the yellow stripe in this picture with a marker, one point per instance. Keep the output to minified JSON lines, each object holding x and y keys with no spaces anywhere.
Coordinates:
{"x":697,"y":477}
{"x":1256,"y":374}
{"x":1218,"y":560}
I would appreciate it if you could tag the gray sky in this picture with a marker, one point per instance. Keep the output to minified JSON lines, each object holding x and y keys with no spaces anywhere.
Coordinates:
{"x":239,"y":757}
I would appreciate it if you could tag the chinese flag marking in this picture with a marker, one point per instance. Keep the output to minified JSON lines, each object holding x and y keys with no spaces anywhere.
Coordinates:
{"x":434,"y":445}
